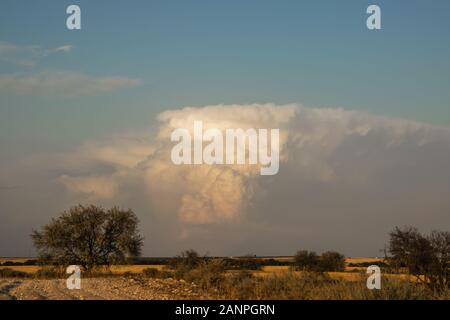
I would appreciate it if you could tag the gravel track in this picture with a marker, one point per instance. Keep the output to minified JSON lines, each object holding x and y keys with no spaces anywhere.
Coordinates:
{"x":100,"y":289}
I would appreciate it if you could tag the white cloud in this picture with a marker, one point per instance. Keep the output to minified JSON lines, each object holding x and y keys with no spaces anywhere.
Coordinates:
{"x":343,"y":175}
{"x":211,"y":194}
{"x":62,"y":84}
{"x":333,"y":147}
{"x":66,"y":48}
{"x":51,"y":83}
{"x":28,"y":55}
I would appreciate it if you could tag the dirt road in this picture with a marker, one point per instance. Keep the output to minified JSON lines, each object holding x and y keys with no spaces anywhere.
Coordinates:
{"x":100,"y":289}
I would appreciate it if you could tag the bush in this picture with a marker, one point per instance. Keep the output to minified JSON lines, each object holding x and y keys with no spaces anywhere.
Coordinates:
{"x":239,"y":285}
{"x":274,"y":262}
{"x":155,"y":273}
{"x":150,"y":272}
{"x":306,"y":261}
{"x":331,"y":261}
{"x":328,"y":262}
{"x":208,"y":274}
{"x":245,"y":263}
{"x":187,"y":260}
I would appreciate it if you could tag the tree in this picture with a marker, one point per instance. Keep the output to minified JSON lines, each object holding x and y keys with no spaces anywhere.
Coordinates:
{"x":89,"y":236}
{"x":190,"y":258}
{"x":187,"y":260}
{"x":332,"y":261}
{"x":328,"y":261}
{"x":306,"y":260}
{"x":425,"y":257}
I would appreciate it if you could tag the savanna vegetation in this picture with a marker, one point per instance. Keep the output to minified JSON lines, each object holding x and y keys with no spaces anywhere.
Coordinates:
{"x":106,"y":242}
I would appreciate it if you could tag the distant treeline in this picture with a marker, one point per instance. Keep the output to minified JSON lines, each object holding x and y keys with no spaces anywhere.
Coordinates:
{"x":30,"y":262}
{"x":250,"y":263}
{"x":380,"y":264}
{"x":149,"y":261}
{"x":238,"y":263}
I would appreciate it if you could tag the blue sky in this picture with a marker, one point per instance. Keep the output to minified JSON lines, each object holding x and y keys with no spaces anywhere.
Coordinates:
{"x":135,"y":59}
{"x":318,"y":53}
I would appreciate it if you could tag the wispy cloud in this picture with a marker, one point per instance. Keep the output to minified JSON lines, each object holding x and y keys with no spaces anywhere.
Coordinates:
{"x":28,"y":55}
{"x":66,"y":48}
{"x":62,"y":84}
{"x":38,"y":82}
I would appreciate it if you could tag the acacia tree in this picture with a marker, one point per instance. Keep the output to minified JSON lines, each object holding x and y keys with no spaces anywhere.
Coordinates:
{"x":306,"y":260}
{"x":89,"y":236}
{"x":425,"y":257}
{"x":332,"y":261}
{"x":327,"y":262}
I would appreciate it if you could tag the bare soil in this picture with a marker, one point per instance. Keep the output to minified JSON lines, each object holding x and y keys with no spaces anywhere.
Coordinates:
{"x":113,"y":288}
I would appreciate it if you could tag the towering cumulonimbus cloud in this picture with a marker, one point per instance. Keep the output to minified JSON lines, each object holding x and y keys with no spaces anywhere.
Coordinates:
{"x":334,"y":148}
{"x":211,"y":193}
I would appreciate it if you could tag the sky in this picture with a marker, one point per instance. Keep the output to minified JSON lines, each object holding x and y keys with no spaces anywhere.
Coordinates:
{"x":84,"y":116}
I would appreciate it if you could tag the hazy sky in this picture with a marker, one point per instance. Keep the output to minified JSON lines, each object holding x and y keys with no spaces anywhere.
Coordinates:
{"x":84,"y":116}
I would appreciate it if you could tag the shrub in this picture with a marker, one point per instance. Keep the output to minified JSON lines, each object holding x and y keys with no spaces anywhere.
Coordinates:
{"x":155,"y":273}
{"x":309,"y":261}
{"x":245,"y":263}
{"x":187,"y":260}
{"x":208,"y":274}
{"x":306,"y":261}
{"x":331,"y":261}
{"x":239,"y":285}
{"x":151,"y":272}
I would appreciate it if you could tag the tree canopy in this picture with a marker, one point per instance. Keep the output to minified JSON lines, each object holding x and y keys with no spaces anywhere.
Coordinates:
{"x":89,"y":236}
{"x":425,"y":256}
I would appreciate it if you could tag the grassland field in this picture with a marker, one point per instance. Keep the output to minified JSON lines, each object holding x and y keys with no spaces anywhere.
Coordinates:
{"x":350,"y":273}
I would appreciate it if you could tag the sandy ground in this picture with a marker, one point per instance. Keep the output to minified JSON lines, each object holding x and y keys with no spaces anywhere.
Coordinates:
{"x":100,"y":289}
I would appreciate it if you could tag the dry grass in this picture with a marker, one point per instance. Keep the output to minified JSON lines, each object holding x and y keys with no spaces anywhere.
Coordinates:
{"x":363,"y":260}
{"x":271,"y":282}
{"x":14,"y":259}
{"x":275,"y":268}
{"x":119,"y":269}
{"x":282,"y":284}
{"x":266,"y":272}
{"x":27,"y":269}
{"x":344,"y":276}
